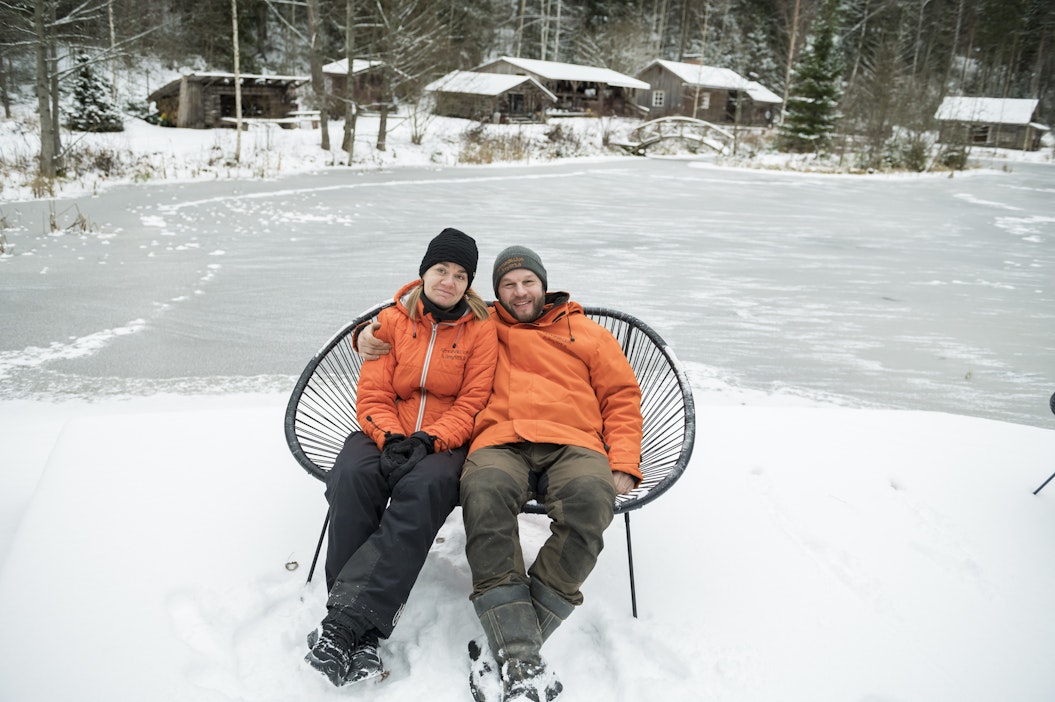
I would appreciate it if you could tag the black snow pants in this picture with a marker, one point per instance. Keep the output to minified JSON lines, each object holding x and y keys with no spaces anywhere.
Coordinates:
{"x":378,"y":538}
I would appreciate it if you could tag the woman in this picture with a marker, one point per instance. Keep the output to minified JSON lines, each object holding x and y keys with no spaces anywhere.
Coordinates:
{"x":416,"y":408}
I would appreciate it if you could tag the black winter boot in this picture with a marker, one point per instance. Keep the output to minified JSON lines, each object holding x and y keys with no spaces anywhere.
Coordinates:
{"x":331,"y":651}
{"x":341,"y":656}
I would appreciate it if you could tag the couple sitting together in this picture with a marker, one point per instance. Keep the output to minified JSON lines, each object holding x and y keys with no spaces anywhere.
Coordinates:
{"x":489,"y":407}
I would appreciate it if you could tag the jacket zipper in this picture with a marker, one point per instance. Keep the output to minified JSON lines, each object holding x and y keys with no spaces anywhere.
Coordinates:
{"x":424,"y":375}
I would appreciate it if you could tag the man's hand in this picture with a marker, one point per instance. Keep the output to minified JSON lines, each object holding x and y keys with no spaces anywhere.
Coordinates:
{"x":623,"y":482}
{"x":369,"y":347}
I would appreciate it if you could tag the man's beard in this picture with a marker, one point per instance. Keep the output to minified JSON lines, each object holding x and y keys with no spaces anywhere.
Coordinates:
{"x":531,"y":315}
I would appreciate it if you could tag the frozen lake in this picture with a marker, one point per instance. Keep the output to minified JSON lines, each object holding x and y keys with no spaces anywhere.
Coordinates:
{"x":907,"y":292}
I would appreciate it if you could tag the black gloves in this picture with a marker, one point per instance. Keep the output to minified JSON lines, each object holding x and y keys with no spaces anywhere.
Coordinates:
{"x":401,"y":454}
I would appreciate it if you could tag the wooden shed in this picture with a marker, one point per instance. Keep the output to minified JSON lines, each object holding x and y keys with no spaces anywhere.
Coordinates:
{"x":203,"y":100}
{"x":579,"y":90}
{"x":492,"y":97}
{"x":709,"y":93}
{"x":998,"y":122}
{"x":367,"y":85}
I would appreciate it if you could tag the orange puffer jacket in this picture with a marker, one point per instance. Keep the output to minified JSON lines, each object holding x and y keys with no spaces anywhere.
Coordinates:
{"x":435,"y":380}
{"x":563,"y":379}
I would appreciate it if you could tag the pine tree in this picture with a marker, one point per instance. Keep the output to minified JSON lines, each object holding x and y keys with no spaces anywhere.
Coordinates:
{"x":813,"y":103}
{"x":93,"y":110}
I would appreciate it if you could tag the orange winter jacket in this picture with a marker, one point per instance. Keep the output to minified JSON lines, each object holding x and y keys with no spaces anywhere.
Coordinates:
{"x":435,"y":380}
{"x":563,"y":379}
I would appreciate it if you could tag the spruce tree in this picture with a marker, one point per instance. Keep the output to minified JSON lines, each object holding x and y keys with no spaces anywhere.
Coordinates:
{"x":813,"y":102}
{"x":93,"y":110}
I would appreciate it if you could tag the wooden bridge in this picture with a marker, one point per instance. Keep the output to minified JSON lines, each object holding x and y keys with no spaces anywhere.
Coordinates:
{"x":694,"y":131}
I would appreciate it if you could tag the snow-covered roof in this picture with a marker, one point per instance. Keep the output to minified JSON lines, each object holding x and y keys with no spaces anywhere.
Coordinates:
{"x":714,"y":77}
{"x":341,"y":67}
{"x":212,"y":77}
{"x":760,"y":93}
{"x":989,"y":110}
{"x":489,"y":84}
{"x":554,"y":70}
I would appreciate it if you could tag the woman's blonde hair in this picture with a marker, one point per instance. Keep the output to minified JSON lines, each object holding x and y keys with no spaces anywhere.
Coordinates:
{"x":477,"y":305}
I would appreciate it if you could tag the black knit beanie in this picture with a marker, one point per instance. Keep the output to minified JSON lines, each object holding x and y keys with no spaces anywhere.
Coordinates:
{"x":453,"y":246}
{"x":518,"y":257}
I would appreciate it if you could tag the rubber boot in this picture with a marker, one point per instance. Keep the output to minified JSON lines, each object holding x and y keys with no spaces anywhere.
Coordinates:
{"x":511,"y":625}
{"x":550,"y":608}
{"x":510,"y":622}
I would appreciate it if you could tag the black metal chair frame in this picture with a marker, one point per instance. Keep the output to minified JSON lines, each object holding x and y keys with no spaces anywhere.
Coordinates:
{"x":321,"y":412}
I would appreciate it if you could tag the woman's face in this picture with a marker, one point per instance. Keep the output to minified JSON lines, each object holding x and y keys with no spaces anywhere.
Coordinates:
{"x":445,"y":283}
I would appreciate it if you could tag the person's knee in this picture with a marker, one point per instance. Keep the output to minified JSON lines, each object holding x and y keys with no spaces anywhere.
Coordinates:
{"x":432,"y":481}
{"x":348,"y":480}
{"x":485,"y":488}
{"x":587,"y":503}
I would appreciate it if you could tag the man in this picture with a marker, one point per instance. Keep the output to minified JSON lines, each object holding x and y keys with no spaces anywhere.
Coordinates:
{"x":563,"y":426}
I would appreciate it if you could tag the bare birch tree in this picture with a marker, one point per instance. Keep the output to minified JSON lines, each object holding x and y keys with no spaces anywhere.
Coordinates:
{"x":351,"y":107}
{"x":317,"y":81}
{"x":237,"y":84}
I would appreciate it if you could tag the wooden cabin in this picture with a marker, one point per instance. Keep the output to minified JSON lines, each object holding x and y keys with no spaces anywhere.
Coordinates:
{"x":490,"y":97}
{"x":579,"y":90}
{"x":207,"y":100}
{"x":716,"y":95}
{"x":996,"y":122}
{"x":367,"y":85}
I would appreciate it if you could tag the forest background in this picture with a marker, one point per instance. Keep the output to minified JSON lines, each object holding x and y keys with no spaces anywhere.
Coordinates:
{"x":880,"y":66}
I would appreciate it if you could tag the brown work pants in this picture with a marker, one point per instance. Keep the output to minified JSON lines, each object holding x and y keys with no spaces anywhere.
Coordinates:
{"x":579,"y":498}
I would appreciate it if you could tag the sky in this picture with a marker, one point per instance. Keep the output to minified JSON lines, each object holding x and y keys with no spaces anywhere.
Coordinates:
{"x":156,"y":547}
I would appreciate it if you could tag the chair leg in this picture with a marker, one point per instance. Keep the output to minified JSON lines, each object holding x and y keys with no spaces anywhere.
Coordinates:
{"x":630,"y":561}
{"x":1045,"y":482}
{"x":318,"y":549}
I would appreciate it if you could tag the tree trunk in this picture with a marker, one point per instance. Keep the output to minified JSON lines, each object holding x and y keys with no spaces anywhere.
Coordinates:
{"x":703,"y":45}
{"x":860,"y":48}
{"x":919,"y":37}
{"x":1034,"y":84}
{"x":47,"y":139}
{"x":237,"y":85}
{"x":519,"y":39}
{"x":351,"y":108}
{"x":382,"y":124}
{"x":556,"y":31}
{"x":113,"y":50}
{"x":53,"y":84}
{"x":5,"y":70}
{"x":791,"y":56}
{"x":317,"y":82}
{"x":952,"y":50}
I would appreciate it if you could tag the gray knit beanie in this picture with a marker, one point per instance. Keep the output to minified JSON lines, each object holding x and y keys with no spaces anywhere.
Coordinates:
{"x":518,"y":257}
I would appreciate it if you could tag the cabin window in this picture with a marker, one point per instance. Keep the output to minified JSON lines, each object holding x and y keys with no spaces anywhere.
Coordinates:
{"x":659,"y":98}
{"x":705,"y":101}
{"x":980,"y":134}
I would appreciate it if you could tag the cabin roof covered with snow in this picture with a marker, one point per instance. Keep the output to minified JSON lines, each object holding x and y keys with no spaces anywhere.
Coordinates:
{"x":1017,"y":111}
{"x":489,"y":84}
{"x":713,"y":77}
{"x":212,"y":78}
{"x":341,"y":67}
{"x":555,"y":70}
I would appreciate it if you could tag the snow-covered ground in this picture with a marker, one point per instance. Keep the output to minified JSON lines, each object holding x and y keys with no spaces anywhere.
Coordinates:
{"x":821,"y":546}
{"x":809,"y":553}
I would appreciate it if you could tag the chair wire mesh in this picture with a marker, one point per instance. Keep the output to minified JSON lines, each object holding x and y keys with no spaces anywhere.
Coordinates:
{"x":321,"y":411}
